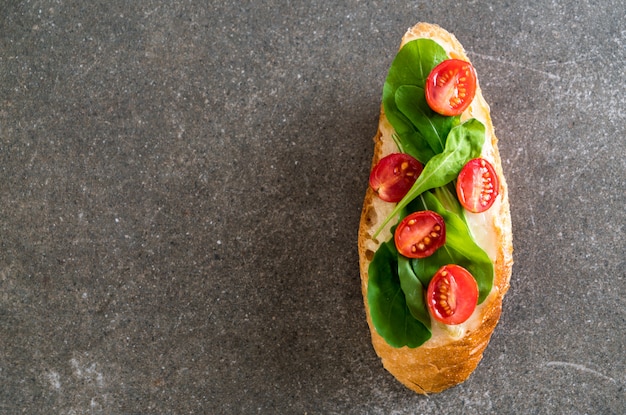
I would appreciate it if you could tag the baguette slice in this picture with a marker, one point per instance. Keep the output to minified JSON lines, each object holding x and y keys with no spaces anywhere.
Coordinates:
{"x":453,"y":352}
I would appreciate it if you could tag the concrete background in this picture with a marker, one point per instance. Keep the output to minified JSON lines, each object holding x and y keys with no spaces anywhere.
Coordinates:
{"x":180,"y":190}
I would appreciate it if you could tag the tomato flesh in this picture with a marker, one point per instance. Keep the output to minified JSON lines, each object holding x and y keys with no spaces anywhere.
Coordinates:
{"x":450,"y":87}
{"x":420,"y":234}
{"x":477,"y":185}
{"x":452,"y":295}
{"x":393,"y":176}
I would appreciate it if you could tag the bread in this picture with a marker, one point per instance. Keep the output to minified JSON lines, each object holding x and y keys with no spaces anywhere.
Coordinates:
{"x":453,"y":352}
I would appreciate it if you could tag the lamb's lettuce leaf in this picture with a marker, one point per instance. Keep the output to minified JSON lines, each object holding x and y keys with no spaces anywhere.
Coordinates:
{"x":389,"y":311}
{"x":433,"y":128}
{"x":410,"y":68}
{"x":414,"y":290}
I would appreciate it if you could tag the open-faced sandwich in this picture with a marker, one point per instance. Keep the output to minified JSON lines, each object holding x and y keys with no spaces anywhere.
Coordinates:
{"x":435,"y":241}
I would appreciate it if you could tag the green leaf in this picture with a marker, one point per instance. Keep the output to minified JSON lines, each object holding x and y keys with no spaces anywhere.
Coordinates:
{"x":413,"y":290}
{"x":459,"y":249}
{"x":415,"y":145}
{"x":447,"y":196}
{"x":413,"y":63}
{"x":411,"y":66}
{"x":388,"y":306}
{"x":433,"y":127}
{"x":464,"y":143}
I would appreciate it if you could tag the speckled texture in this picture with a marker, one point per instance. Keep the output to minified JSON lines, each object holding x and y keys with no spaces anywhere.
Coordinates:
{"x":180,"y":191}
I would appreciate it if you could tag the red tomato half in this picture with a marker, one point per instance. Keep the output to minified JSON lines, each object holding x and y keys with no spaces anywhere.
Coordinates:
{"x":394,"y":175}
{"x":477,"y":185}
{"x":450,"y":87}
{"x":452,"y":295}
{"x":420,"y":234}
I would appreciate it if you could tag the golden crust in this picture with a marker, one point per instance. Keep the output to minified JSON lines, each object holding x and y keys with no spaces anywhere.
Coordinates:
{"x":446,"y":360}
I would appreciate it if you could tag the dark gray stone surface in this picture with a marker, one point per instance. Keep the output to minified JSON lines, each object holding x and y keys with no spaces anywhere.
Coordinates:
{"x":180,"y":190}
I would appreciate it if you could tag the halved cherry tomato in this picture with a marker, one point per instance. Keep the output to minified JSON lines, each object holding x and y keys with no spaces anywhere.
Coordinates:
{"x":394,"y":175}
{"x":420,"y":234}
{"x":477,"y":185}
{"x":452,"y":295}
{"x":450,"y":87}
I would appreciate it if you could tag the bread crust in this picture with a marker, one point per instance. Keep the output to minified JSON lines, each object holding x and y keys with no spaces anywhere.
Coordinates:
{"x":448,"y":358}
